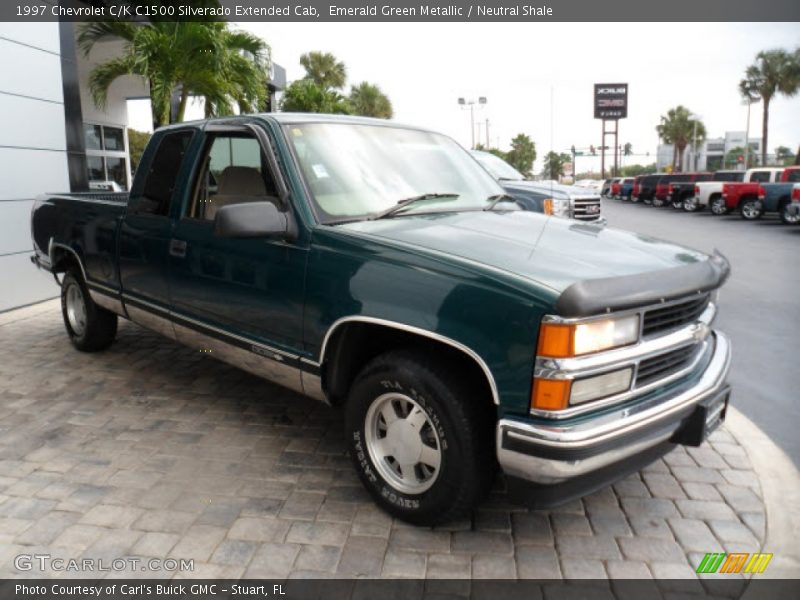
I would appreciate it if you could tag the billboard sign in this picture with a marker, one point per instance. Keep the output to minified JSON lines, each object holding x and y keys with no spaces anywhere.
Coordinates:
{"x":610,"y":101}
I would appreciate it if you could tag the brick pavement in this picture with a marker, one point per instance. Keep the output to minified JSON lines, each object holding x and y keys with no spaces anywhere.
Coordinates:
{"x":151,"y":449}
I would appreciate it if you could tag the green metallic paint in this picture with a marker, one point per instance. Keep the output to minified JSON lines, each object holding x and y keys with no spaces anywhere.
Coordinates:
{"x":482,"y":279}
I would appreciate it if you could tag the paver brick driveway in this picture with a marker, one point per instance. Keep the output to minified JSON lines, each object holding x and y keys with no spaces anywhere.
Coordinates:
{"x":151,"y":449}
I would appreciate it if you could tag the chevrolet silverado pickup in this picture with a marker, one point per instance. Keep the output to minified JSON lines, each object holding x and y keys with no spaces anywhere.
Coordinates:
{"x":710,"y":191}
{"x":743,"y":196}
{"x":550,"y":198}
{"x":644,"y":187}
{"x":777,"y":197}
{"x":679,"y":190}
{"x":379,"y":268}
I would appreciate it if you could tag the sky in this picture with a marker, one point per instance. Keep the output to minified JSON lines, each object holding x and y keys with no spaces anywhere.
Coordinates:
{"x":538,"y":78}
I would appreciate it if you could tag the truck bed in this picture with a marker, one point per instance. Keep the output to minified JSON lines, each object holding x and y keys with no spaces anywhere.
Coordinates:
{"x":82,"y":226}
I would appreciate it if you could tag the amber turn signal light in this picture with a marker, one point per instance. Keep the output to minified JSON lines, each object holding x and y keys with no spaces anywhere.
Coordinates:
{"x":550,"y":394}
{"x":555,"y":340}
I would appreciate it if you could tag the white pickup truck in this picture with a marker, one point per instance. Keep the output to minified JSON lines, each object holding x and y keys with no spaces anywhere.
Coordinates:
{"x":709,"y":193}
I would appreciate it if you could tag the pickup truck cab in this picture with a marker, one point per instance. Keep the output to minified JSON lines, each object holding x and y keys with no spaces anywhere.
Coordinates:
{"x":743,"y":196}
{"x":548,"y":197}
{"x":777,"y":197}
{"x":625,"y":189}
{"x":710,"y":190}
{"x":645,"y":187}
{"x":378,"y":268}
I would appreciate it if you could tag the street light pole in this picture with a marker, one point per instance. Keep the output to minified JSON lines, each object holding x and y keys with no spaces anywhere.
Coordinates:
{"x":695,"y":118}
{"x":747,"y":134}
{"x":463,"y":102}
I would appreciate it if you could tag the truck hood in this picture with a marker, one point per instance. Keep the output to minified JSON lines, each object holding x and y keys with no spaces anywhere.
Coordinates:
{"x":552,"y":252}
{"x":556,"y":190}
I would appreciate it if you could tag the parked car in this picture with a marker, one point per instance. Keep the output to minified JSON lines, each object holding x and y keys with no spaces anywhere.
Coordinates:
{"x":616,"y":184}
{"x":709,"y":191}
{"x":681,"y":189}
{"x":379,"y":268}
{"x":549,"y":198}
{"x":743,"y":196}
{"x":777,"y":197}
{"x":645,"y":189}
{"x":625,"y":188}
{"x":605,"y":190}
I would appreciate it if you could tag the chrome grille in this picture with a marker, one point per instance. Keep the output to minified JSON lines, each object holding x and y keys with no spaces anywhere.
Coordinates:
{"x":586,"y":209}
{"x":672,"y":316}
{"x":661,"y":366}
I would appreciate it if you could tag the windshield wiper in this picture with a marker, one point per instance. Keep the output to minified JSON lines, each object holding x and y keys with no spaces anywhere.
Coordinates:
{"x":401,"y":204}
{"x":497,"y":199}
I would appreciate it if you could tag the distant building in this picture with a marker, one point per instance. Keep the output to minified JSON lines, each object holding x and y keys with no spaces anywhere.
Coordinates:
{"x":711,"y":153}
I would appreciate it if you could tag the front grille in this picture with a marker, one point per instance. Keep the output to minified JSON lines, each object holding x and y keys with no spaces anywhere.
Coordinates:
{"x":658,"y":320}
{"x":586,"y":209}
{"x":664,"y":365}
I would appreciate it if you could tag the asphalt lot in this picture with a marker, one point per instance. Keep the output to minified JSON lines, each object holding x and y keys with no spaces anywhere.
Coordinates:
{"x":758,"y":305}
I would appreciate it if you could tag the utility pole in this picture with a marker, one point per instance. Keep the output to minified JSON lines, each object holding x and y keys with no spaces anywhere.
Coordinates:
{"x":574,"y":168}
{"x":481,"y":102}
{"x":488,"y":145}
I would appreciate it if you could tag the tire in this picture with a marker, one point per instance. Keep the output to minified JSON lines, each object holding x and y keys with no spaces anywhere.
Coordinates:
{"x":749,"y":209}
{"x":786,"y":218}
{"x":718,"y":206}
{"x":677,"y":204}
{"x":691,"y":205}
{"x":435,"y":414}
{"x":90,"y":327}
{"x":658,"y":202}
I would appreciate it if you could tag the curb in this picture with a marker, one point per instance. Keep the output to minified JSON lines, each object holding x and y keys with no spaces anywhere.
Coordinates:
{"x":780,"y":485}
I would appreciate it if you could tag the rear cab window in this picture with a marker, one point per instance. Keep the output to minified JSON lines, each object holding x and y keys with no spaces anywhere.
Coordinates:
{"x":760,"y":176}
{"x":155,"y":194}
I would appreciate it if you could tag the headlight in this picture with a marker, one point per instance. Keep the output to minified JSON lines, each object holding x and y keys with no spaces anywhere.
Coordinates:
{"x":561,"y":340}
{"x":555,"y":207}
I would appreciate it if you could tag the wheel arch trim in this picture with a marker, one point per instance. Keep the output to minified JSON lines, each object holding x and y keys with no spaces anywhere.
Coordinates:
{"x":469,"y":352}
{"x":51,"y":250}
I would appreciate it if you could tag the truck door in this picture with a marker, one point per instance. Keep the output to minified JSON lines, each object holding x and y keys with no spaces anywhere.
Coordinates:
{"x":146,"y":227}
{"x":239,"y":298}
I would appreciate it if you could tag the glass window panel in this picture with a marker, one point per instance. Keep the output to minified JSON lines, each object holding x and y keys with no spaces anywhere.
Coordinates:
{"x":93,"y":136}
{"x":96,"y":169}
{"x":114,"y":139}
{"x":116,"y":170}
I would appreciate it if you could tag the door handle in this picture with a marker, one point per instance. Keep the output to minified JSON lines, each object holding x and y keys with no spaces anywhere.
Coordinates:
{"x":177,"y":248}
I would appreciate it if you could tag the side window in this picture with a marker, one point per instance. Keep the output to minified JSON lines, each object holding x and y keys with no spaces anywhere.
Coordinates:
{"x":164,"y":168}
{"x":793,"y":175}
{"x":233,"y":171}
{"x":760,"y":176}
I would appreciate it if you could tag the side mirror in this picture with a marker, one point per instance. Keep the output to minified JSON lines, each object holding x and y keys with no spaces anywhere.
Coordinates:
{"x":254,"y":219}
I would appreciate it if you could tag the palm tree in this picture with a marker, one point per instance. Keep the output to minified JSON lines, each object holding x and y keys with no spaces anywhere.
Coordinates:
{"x":774,"y":72}
{"x":368,"y":100}
{"x":554,"y":164}
{"x":680,"y":129}
{"x":324,"y":69}
{"x":191,"y":58}
{"x":305,"y":95}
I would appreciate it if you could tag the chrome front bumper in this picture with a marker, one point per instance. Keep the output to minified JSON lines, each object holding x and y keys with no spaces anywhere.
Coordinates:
{"x":549,"y":453}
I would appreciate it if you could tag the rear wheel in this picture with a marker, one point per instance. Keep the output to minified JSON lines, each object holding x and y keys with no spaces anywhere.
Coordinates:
{"x":691,"y":205}
{"x":420,"y":439}
{"x":677,"y":204}
{"x":718,"y":206}
{"x":90,"y":327}
{"x":750,"y":209}
{"x":658,"y":203}
{"x":786,"y":217}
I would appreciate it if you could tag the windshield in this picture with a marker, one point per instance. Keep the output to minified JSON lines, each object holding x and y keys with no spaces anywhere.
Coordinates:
{"x":356,"y":171}
{"x":499,"y":168}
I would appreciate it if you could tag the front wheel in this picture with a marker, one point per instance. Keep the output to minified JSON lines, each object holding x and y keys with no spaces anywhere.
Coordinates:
{"x":750,"y":209}
{"x":90,"y":327}
{"x":420,"y":440}
{"x":718,"y":206}
{"x":787,"y":217}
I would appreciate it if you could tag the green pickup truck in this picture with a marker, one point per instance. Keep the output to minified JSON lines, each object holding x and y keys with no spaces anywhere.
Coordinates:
{"x":379,"y":268}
